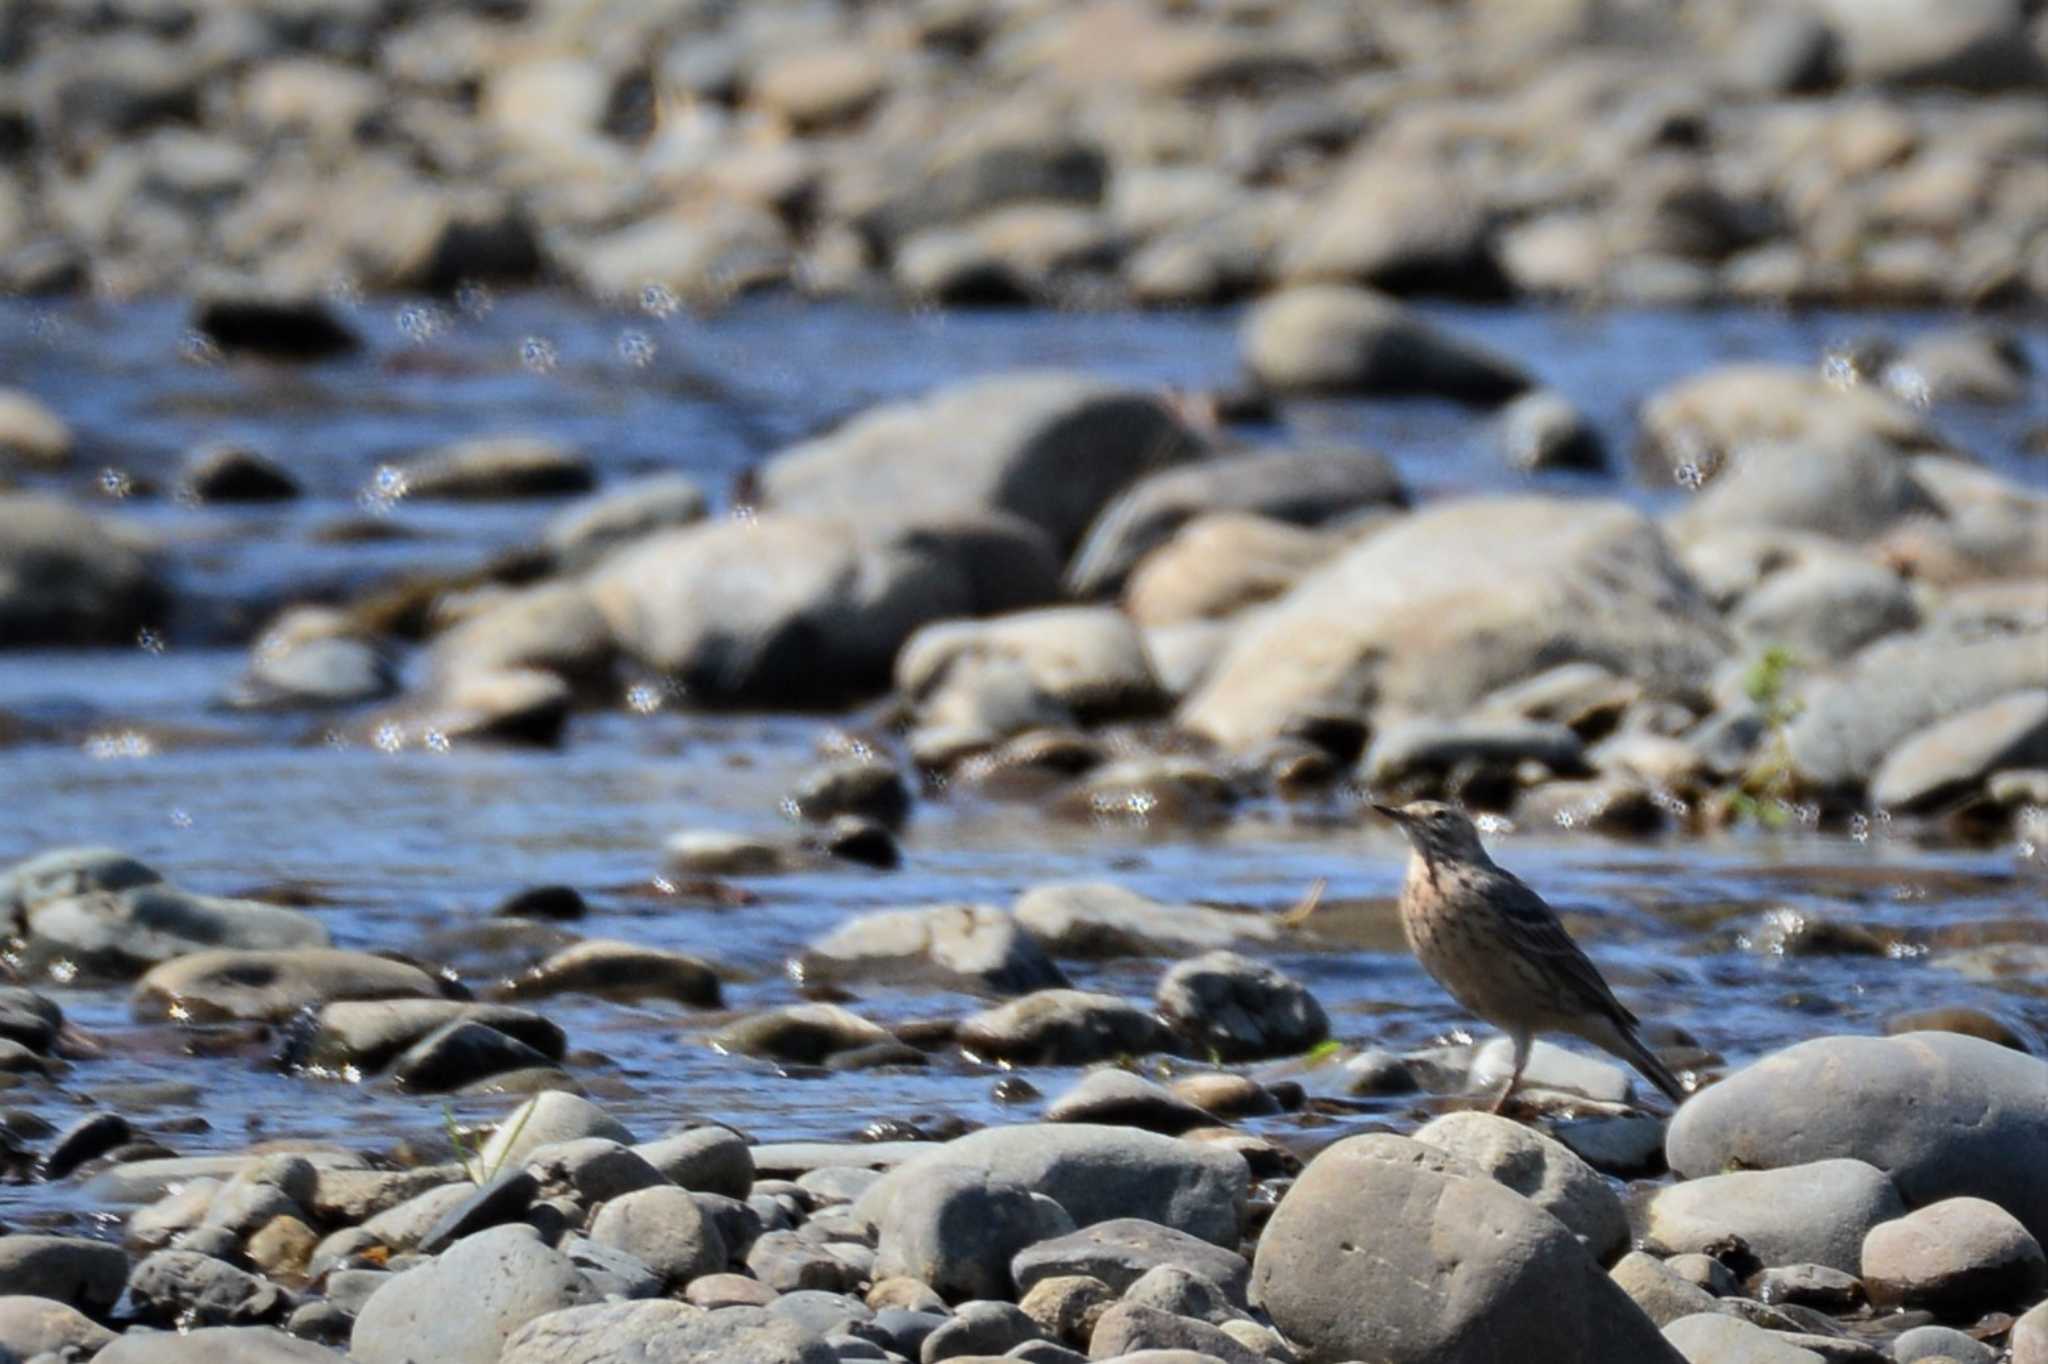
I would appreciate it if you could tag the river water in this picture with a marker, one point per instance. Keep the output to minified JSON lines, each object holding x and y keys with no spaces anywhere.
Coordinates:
{"x":410,"y":850}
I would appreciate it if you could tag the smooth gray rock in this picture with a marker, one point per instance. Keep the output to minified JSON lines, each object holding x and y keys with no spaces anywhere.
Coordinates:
{"x":369,"y":1034}
{"x":1115,"y":1097}
{"x":1455,"y":1266}
{"x":1093,"y":919}
{"x":1328,"y":338}
{"x":661,"y":1332}
{"x":503,"y":1278}
{"x":319,"y":670}
{"x":664,"y":1228}
{"x":1713,"y":1338}
{"x":1542,"y":1170}
{"x":70,"y":578}
{"x":1061,"y":1028}
{"x":1051,"y":448}
{"x":1456,"y":601}
{"x":796,"y":609}
{"x":174,"y":1286}
{"x":1096,"y":1174}
{"x":32,"y":1325}
{"x":1184,"y":1293}
{"x":215,"y":1345}
{"x":1239,"y":1009}
{"x":612,"y":1273}
{"x":1937,"y":1342}
{"x":123,"y":933}
{"x":1546,"y":430}
{"x":1825,"y":609}
{"x":1853,"y":719}
{"x":973,"y":947}
{"x":545,"y":1120}
{"x":1128,"y":1328}
{"x":1088,"y":662}
{"x":708,"y":1159}
{"x":978,"y":1328}
{"x":215,"y":985}
{"x":590,"y":1170}
{"x":1123,"y":1250}
{"x":585,"y":532}
{"x":957,"y":1232}
{"x":1662,"y":1293}
{"x":809,"y":1034}
{"x":1943,"y":1114}
{"x":1301,"y":487}
{"x":1960,"y":1257}
{"x":1817,"y":1213}
{"x":87,"y":1275}
{"x":611,"y":969}
{"x":1951,"y":759}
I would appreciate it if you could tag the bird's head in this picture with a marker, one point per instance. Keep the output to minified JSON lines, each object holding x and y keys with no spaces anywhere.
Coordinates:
{"x":1440,"y":832}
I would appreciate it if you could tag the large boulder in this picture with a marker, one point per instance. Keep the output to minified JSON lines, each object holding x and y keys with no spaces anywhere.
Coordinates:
{"x":1095,"y":1173}
{"x":502,"y":1278}
{"x":1219,"y":566}
{"x":1851,"y":719}
{"x":1332,"y":338}
{"x":957,"y":1232}
{"x":1943,"y":1114}
{"x":67,"y":577}
{"x":1233,"y":1007}
{"x":210,"y":986}
{"x":1952,"y":758}
{"x":1542,"y":1170}
{"x":1102,"y":919}
{"x":122,"y":932}
{"x":1049,"y":448}
{"x":1978,"y":45}
{"x":1388,"y":1249}
{"x":1398,"y":221}
{"x":970,"y":947}
{"x":1088,"y":660}
{"x":1689,"y":430}
{"x":216,"y":1345}
{"x":809,"y":609}
{"x":1303,"y":487}
{"x":1433,"y":613}
{"x":1816,"y":1213}
{"x":1850,"y":490}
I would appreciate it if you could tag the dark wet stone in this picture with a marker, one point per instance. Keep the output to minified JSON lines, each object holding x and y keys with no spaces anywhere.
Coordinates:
{"x":276,"y":329}
{"x":460,"y":1053}
{"x":174,"y":1286}
{"x":504,"y":1199}
{"x":230,"y":473}
{"x":543,"y":902}
{"x":855,"y":838}
{"x":29,"y":1019}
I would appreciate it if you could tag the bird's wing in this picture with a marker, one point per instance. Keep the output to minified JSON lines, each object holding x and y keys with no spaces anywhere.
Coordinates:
{"x":1532,"y":927}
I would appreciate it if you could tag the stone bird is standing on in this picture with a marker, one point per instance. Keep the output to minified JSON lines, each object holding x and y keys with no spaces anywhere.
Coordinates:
{"x":1500,"y":951}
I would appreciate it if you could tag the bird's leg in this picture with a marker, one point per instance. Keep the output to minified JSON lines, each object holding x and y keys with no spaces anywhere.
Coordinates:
{"x":1523,"y":1041}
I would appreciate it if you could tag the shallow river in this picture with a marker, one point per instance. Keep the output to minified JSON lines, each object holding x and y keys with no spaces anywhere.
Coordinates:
{"x":403,"y":851}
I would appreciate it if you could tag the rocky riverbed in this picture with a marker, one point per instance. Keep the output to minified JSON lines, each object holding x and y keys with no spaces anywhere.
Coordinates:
{"x":440,"y":777}
{"x":613,"y":756}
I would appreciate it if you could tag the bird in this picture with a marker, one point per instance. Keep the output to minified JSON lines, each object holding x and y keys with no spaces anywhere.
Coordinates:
{"x":1500,"y":951}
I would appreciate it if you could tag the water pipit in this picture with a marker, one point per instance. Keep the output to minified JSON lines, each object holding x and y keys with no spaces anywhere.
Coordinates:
{"x":1500,"y":951}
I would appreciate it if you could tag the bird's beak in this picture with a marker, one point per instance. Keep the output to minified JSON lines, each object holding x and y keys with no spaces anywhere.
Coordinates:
{"x":1392,"y":812}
